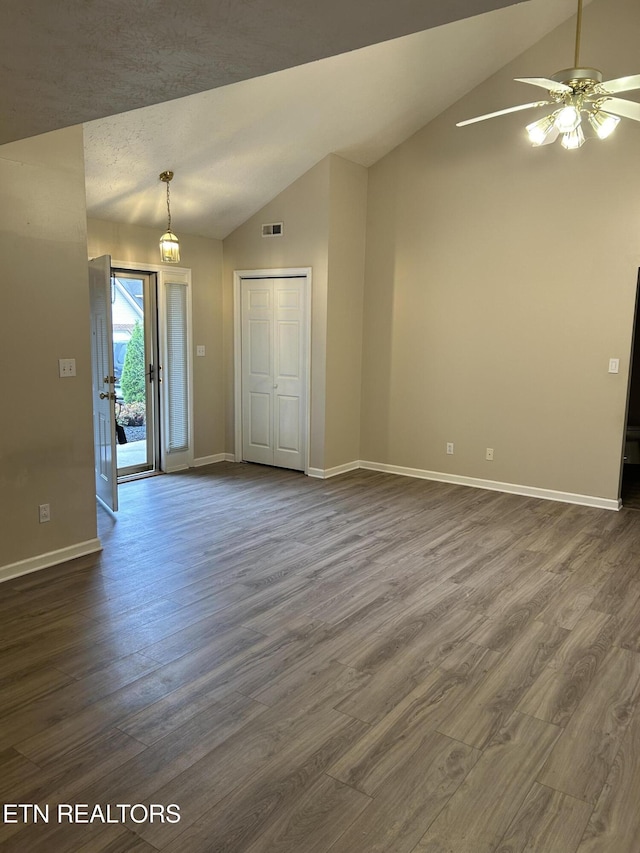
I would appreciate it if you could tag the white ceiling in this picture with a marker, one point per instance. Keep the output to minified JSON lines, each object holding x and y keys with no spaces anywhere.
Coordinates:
{"x":235,"y":147}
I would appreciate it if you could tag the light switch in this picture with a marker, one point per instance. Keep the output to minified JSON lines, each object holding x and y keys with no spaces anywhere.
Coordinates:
{"x":67,"y":367}
{"x":614,"y":365}
{"x":200,"y":350}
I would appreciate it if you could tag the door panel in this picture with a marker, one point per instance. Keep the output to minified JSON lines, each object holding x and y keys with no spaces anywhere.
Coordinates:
{"x":273,"y":371}
{"x":288,"y":420}
{"x":104,"y":429}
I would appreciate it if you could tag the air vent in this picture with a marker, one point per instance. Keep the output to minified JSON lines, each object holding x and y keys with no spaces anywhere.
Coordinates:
{"x":273,"y":229}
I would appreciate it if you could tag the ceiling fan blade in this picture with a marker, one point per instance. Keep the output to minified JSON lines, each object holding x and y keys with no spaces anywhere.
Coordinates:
{"x":545,"y":83}
{"x":621,"y":84}
{"x":503,"y":112}
{"x":620,"y":107}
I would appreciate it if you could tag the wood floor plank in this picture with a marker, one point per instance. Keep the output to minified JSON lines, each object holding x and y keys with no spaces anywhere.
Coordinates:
{"x":557,"y":692}
{"x":475,"y":819}
{"x":393,"y":741}
{"x":397,"y":665}
{"x":410,"y":799}
{"x":230,"y":811}
{"x":547,"y":821}
{"x":491,"y":704}
{"x":580,"y":762}
{"x":407,"y":666}
{"x":315,"y":821}
{"x":615,"y":822}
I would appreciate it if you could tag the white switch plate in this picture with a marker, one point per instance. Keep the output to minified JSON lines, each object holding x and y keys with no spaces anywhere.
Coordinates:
{"x":614,"y":365}
{"x":450,"y":448}
{"x":200,"y":350}
{"x":67,"y":367}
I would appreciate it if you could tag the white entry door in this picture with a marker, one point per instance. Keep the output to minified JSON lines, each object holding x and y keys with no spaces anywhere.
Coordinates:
{"x":273,"y":355}
{"x":103,"y":381}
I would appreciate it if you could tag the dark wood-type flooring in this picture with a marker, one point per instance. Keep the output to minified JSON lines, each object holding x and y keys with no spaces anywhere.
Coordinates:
{"x":367,"y":664}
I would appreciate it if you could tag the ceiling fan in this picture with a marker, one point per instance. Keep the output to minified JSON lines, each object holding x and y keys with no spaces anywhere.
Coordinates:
{"x":575,"y":92}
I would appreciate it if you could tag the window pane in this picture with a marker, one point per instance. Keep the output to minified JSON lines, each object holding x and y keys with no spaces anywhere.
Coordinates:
{"x":176,"y":368}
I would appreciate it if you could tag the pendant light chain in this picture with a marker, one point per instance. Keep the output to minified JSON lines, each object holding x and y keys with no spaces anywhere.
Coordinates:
{"x":169,"y":243}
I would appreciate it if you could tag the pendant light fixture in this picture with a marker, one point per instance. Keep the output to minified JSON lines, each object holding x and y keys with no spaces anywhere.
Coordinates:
{"x":169,"y":244}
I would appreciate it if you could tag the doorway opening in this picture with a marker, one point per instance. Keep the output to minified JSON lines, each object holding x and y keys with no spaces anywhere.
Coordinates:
{"x":630,"y":479}
{"x":134,"y":316}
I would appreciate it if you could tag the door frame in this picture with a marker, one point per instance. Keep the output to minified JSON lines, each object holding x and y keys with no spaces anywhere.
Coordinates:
{"x":151,"y":332}
{"x":180,"y":461}
{"x":304,"y":274}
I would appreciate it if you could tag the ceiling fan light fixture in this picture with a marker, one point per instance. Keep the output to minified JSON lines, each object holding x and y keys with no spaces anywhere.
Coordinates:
{"x":574,"y":139}
{"x":539,"y":130}
{"x":567,"y":119}
{"x":603,"y":123}
{"x":169,"y":243}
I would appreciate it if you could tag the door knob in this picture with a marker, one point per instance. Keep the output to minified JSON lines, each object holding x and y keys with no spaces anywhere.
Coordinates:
{"x":109,"y":396}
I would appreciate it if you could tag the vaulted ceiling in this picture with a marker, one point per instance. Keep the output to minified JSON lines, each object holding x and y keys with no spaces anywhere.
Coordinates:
{"x":240,"y":98}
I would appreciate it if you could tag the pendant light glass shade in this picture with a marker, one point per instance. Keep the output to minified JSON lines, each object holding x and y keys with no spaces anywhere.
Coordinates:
{"x":567,"y":119}
{"x":539,"y":130}
{"x":573,"y":139}
{"x":169,"y":248}
{"x":603,"y":123}
{"x":169,"y":244}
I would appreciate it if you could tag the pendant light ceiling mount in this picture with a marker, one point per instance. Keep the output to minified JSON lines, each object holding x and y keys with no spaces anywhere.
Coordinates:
{"x":575,"y":93}
{"x":169,"y":244}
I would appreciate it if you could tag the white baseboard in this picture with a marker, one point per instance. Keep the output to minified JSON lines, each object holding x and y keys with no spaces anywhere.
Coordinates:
{"x":325,"y":473}
{"x":493,"y":485}
{"x":52,"y":558}
{"x":211,"y":460}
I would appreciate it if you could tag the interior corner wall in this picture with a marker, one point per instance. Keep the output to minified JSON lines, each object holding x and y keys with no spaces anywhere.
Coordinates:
{"x":303,"y":207}
{"x":500,"y":279}
{"x":139,"y":245}
{"x":347,"y":232}
{"x":46,"y":451}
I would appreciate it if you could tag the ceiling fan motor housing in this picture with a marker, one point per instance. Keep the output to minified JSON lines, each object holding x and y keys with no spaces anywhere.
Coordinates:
{"x":580,"y":79}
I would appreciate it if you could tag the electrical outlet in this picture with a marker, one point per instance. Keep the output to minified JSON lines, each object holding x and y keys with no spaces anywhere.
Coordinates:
{"x":450,"y":448}
{"x":489,"y":454}
{"x":200,"y":350}
{"x":44,"y":513}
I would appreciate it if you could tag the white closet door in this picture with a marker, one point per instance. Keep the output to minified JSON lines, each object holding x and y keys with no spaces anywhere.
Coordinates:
{"x":273,"y":372}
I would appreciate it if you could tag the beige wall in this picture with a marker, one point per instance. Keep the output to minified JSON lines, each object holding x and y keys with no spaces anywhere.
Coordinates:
{"x":324,"y":215}
{"x":500,"y":279}
{"x":304,"y":209}
{"x":347,"y":231}
{"x":46,"y":446}
{"x":134,"y":244}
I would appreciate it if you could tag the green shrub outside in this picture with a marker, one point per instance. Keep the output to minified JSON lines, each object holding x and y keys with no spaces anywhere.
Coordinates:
{"x":133,"y":372}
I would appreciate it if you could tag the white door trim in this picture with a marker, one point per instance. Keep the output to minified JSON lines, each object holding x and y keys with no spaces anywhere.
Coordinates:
{"x":169,"y":462}
{"x":238,"y":276}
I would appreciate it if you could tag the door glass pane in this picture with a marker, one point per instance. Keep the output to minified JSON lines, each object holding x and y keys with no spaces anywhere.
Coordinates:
{"x":130,"y":361}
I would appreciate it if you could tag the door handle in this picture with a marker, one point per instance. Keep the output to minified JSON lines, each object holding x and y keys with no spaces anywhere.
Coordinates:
{"x":111,"y":395}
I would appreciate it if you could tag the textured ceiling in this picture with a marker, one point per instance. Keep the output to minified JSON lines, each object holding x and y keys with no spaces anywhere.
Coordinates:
{"x":282,"y":84}
{"x":68,"y":61}
{"x":234,"y":148}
